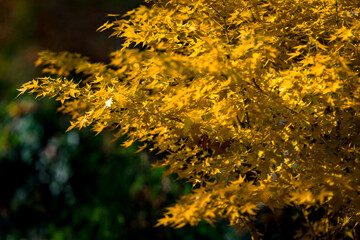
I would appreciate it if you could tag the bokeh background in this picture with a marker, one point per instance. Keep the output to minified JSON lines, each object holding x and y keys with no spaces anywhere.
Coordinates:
{"x":74,"y":185}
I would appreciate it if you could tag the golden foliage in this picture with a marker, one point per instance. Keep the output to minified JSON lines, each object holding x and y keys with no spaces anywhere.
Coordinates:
{"x":231,"y":89}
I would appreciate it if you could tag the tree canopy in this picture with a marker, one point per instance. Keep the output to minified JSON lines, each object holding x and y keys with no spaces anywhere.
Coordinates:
{"x":255,"y":102}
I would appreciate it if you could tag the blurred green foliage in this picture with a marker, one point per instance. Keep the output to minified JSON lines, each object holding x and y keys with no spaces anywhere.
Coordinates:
{"x":58,"y":185}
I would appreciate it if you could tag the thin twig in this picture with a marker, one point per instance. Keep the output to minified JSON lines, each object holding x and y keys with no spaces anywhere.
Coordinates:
{"x":224,"y":21}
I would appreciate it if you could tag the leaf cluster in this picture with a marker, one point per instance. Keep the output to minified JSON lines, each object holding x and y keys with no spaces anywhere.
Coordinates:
{"x":253,"y":101}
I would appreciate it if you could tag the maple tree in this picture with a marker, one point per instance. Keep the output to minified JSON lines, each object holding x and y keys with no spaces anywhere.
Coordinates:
{"x":255,"y":102}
